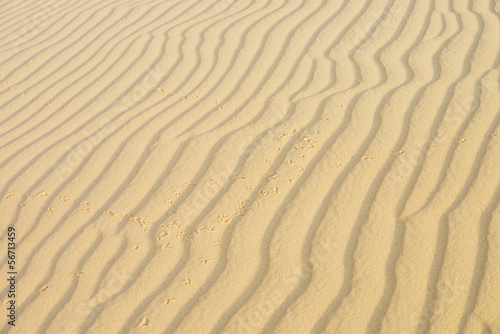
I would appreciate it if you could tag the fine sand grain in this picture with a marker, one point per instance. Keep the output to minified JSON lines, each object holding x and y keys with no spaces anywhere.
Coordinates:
{"x":250,"y":166}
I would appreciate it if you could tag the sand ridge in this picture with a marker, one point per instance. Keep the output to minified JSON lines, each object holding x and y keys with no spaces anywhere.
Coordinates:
{"x":251,"y":166}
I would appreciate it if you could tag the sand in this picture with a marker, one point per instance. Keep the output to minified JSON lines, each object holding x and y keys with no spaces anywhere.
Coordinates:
{"x":250,"y":166}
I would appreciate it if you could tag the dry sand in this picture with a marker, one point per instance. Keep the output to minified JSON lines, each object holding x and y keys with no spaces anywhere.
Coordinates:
{"x":251,"y":166}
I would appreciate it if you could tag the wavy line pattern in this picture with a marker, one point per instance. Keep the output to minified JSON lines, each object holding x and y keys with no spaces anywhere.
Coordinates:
{"x":251,"y":166}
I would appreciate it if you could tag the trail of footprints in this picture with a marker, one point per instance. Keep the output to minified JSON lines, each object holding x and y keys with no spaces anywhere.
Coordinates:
{"x":307,"y":142}
{"x":145,"y":224}
{"x":175,"y":227}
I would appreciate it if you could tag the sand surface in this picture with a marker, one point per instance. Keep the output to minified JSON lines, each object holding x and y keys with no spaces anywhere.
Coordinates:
{"x":251,"y":166}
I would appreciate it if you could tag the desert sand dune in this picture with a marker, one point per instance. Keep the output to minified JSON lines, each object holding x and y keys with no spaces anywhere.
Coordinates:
{"x":250,"y":166}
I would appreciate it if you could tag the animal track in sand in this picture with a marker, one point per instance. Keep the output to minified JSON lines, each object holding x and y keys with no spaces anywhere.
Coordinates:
{"x":262,"y":193}
{"x":206,"y":229}
{"x":77,"y":274}
{"x":271,"y":176}
{"x":39,"y":194}
{"x":168,"y":300}
{"x":32,"y":195}
{"x":308,"y":140}
{"x":143,"y":223}
{"x":43,"y":288}
{"x":12,"y":195}
{"x":223,"y":218}
{"x":172,"y":223}
{"x":162,"y":235}
{"x":280,"y":137}
{"x":144,"y":322}
{"x":185,"y":237}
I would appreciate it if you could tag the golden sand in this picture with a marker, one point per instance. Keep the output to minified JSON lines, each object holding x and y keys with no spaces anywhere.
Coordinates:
{"x":250,"y":166}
